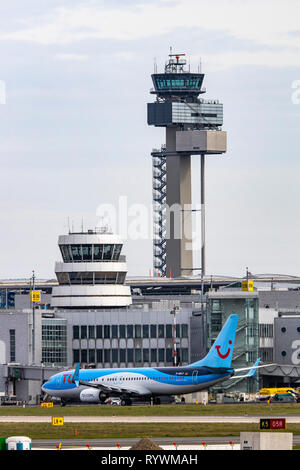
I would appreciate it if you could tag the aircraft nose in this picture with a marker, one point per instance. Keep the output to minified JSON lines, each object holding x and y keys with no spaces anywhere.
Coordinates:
{"x":45,"y":387}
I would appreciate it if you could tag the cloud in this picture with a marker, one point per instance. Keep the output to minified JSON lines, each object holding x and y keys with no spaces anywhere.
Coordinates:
{"x":267,"y":22}
{"x":264,"y":58}
{"x":76,"y":57}
{"x":268,"y":26}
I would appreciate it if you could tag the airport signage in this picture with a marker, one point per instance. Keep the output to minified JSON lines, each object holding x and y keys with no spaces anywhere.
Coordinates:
{"x":272,"y":423}
{"x":35,"y":296}
{"x":57,"y":421}
{"x":247,"y":285}
{"x":47,"y":404}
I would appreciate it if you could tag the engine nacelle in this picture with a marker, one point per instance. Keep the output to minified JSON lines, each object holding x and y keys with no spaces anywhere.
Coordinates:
{"x":90,"y":395}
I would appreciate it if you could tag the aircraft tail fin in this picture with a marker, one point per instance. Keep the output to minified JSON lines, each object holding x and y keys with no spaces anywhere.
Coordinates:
{"x":220,"y":354}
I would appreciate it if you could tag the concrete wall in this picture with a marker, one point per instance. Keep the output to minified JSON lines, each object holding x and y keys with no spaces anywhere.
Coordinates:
{"x":266,"y":441}
{"x":178,"y":197}
{"x":19,"y":322}
{"x":278,"y":299}
{"x":22,"y":301}
{"x":287,"y":340}
{"x":206,"y":141}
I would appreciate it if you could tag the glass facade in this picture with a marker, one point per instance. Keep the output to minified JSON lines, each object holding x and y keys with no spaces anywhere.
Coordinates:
{"x":246,"y":346}
{"x":12,"y":345}
{"x":91,"y":278}
{"x":129,"y":331}
{"x":182,"y":82}
{"x":54,"y":341}
{"x":201,"y":113}
{"x":90,"y":253}
{"x":101,"y":344}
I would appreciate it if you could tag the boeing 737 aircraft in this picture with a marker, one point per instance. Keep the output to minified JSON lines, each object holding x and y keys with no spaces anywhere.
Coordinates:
{"x":147,"y":383}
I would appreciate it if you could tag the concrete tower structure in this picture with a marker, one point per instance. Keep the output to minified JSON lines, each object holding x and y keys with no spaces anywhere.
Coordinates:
{"x":93,"y":272}
{"x":193,"y":127}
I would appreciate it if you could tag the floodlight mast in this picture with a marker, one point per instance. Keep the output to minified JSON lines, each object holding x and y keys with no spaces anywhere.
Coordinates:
{"x":173,"y":312}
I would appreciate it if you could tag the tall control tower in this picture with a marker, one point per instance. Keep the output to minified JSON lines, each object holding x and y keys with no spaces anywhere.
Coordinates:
{"x":193,"y":127}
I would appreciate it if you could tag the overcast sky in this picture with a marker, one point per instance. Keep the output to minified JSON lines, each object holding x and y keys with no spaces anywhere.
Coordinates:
{"x":74,"y":134}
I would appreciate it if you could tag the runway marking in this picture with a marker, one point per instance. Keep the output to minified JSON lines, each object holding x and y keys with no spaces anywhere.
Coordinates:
{"x":143,"y":419}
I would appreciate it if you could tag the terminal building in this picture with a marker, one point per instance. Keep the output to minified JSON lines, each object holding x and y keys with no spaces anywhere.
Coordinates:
{"x":94,"y":315}
{"x":91,"y":315}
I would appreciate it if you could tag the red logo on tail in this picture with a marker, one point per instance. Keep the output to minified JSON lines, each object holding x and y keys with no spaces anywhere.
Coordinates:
{"x":223,"y":356}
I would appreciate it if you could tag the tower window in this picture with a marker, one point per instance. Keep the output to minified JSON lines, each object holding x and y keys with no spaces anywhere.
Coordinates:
{"x":107,"y":251}
{"x":12,"y":344}
{"x":76,"y":252}
{"x":87,"y":252}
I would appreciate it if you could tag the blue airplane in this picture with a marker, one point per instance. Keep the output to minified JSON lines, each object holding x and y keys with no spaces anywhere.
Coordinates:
{"x":149,"y":383}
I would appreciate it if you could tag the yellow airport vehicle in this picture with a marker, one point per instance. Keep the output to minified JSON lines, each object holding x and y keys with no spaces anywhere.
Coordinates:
{"x":270,"y":392}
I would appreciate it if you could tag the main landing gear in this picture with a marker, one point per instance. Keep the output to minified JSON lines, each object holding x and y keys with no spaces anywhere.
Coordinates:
{"x":126,"y":402}
{"x":155,"y":401}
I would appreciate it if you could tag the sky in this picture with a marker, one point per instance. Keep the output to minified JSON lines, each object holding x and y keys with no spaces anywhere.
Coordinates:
{"x":74,"y":133}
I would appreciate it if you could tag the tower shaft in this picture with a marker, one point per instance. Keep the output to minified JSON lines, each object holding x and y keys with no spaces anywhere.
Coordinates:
{"x":179,"y":260}
{"x":202,"y":178}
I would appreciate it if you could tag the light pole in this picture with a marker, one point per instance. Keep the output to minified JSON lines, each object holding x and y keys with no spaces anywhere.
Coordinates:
{"x":173,"y":312}
{"x":32,"y":288}
{"x":33,"y":320}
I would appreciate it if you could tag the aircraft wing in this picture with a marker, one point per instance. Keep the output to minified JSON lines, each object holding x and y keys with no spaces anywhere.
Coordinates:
{"x":116,"y":388}
{"x":254,"y":367}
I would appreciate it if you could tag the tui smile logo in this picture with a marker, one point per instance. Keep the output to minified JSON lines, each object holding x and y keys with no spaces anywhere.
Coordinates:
{"x":223,"y":356}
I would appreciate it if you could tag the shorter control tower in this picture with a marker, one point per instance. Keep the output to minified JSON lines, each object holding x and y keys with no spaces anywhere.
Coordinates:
{"x":193,"y":127}
{"x":92,"y":273}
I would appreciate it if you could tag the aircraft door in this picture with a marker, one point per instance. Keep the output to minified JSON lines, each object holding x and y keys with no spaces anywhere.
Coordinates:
{"x":195,"y":376}
{"x":120,"y":379}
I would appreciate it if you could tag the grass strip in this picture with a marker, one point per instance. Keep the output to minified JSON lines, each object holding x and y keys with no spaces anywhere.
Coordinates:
{"x":161,"y":410}
{"x":109,"y":430}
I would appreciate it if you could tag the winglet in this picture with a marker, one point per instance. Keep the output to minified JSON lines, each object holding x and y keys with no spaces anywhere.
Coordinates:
{"x":75,"y":378}
{"x":250,"y":373}
{"x":253,"y":368}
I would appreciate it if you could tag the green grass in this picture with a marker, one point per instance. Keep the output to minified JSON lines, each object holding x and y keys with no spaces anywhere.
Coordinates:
{"x":161,"y":410}
{"x":137,"y":430}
